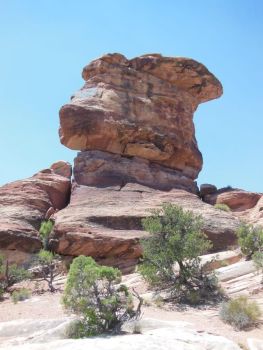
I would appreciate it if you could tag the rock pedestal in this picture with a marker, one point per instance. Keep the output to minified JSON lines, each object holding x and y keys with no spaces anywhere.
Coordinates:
{"x":139,"y":109}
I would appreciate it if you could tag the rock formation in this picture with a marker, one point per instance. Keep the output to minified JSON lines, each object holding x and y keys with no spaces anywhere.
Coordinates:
{"x":106,"y":222}
{"x":23,"y":205}
{"x":140,"y":109}
{"x":247,"y":206}
{"x":133,"y":123}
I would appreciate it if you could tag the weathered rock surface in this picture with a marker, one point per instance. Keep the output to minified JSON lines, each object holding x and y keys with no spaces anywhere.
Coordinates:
{"x":24,"y":203}
{"x":62,"y":168}
{"x":140,"y":108}
{"x":156,"y":334}
{"x":106,"y":222}
{"x":96,"y":168}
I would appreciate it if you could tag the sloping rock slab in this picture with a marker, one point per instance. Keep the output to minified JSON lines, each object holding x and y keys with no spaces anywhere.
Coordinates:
{"x":161,"y":335}
{"x":106,"y":222}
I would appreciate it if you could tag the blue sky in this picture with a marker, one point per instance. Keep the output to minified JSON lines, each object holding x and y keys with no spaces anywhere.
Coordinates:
{"x":45,"y":44}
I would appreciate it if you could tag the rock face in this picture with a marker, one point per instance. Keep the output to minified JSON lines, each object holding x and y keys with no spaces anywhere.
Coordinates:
{"x":96,"y":168}
{"x":140,"y":108}
{"x":236,"y":199}
{"x":106,"y":222}
{"x":133,"y":123}
{"x":23,"y":205}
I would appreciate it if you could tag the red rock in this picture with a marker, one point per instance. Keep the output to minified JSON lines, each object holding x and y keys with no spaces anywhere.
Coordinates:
{"x":106,"y":222}
{"x":23,"y":205}
{"x":62,"y":168}
{"x":96,"y":168}
{"x":140,"y":108}
{"x":235,"y":199}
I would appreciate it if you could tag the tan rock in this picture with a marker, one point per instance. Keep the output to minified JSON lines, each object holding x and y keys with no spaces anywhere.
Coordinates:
{"x":141,"y":107}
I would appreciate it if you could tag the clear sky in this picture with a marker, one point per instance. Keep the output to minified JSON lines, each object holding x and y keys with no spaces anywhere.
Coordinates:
{"x":45,"y":44}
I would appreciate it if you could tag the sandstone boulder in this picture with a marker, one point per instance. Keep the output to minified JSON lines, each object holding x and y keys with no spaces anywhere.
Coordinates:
{"x":23,"y":205}
{"x":62,"y":168}
{"x":236,"y":199}
{"x":106,"y":222}
{"x":140,"y":108}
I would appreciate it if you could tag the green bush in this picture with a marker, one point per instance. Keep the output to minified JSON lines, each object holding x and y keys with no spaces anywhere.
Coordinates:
{"x":94,"y":293}
{"x":250,"y":239}
{"x":222,"y":206}
{"x":240,"y":312}
{"x":45,"y":230}
{"x":11,"y":274}
{"x":48,"y":262}
{"x":176,"y":237}
{"x":20,"y":295}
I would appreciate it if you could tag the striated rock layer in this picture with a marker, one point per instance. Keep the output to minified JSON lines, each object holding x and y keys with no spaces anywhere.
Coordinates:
{"x":23,"y":205}
{"x":101,"y":169}
{"x":140,"y":108}
{"x":106,"y":222}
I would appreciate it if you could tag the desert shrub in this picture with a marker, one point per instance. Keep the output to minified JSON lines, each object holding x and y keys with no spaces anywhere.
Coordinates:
{"x":222,"y":206}
{"x":47,"y":267}
{"x":176,"y":237}
{"x":240,"y":312}
{"x":250,"y":239}
{"x":45,"y":230}
{"x":20,"y":295}
{"x":10,"y":274}
{"x":93,"y":292}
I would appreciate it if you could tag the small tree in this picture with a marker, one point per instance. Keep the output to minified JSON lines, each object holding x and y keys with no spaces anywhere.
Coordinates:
{"x":47,"y":270}
{"x":176,"y":238}
{"x":45,"y":230}
{"x":93,"y":292}
{"x":250,"y":239}
{"x":11,"y":274}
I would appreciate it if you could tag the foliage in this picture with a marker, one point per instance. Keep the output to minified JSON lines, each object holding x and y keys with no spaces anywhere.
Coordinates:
{"x":11,"y":274}
{"x":94,"y":293}
{"x":258,"y":261}
{"x":47,"y":270}
{"x":20,"y":295}
{"x":176,"y":237}
{"x":240,"y":312}
{"x":250,"y":239}
{"x":222,"y":206}
{"x":45,"y":230}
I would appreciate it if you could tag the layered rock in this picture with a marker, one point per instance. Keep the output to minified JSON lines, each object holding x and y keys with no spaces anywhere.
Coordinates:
{"x":133,"y":123}
{"x":140,"y":108}
{"x":23,"y":205}
{"x":106,"y":222}
{"x":101,"y":169}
